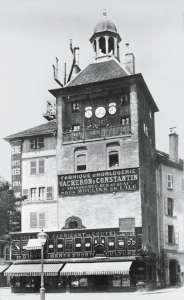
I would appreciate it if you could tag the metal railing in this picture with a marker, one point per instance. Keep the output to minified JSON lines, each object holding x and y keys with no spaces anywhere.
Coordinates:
{"x":94,"y":133}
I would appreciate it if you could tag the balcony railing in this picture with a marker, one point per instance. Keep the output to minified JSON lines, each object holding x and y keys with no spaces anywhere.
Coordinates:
{"x":101,"y":132}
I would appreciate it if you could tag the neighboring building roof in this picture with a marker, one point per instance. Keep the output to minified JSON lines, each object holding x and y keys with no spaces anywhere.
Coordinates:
{"x":99,"y":71}
{"x":43,"y":129}
{"x":163,"y":158}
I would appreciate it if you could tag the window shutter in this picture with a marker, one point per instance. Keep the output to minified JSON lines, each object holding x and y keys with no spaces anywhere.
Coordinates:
{"x":165,"y":206}
{"x":49,"y":193}
{"x":33,"y":220}
{"x":177,"y":238}
{"x":166,"y":234}
{"x":33,"y":167}
{"x":41,"y":166}
{"x":42,"y":220}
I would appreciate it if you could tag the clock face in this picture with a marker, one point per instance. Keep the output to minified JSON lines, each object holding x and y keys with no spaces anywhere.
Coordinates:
{"x":88,"y":112}
{"x":100,"y":112}
{"x":112,"y":108}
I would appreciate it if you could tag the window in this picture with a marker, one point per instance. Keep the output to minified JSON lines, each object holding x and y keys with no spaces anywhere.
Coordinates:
{"x":49,"y":193}
{"x":33,"y":220}
{"x":75,"y":107}
{"x":113,"y":159}
{"x":170,"y":181}
{"x":41,"y":220}
{"x":25,"y":193}
{"x":41,"y":166}
{"x":33,"y":167}
{"x":41,"y":193}
{"x":170,"y":234}
{"x":125,"y":121}
{"x":76,"y":127}
{"x":170,"y":207}
{"x":16,"y":171}
{"x":37,"y":143}
{"x":33,"y":194}
{"x":80,"y":162}
{"x":37,"y":167}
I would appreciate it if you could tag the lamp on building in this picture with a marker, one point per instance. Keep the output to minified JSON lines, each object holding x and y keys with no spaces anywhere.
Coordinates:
{"x":42,"y":236}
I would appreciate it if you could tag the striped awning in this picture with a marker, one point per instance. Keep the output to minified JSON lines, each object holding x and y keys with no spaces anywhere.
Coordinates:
{"x":33,"y":270}
{"x":96,"y":268}
{"x":3,"y":267}
{"x":33,"y":244}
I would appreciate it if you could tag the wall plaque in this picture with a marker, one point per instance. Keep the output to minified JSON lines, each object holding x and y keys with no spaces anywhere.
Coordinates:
{"x":118,"y":180}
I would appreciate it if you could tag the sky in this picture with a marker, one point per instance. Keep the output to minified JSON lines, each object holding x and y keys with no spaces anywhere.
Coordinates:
{"x":34,"y":32}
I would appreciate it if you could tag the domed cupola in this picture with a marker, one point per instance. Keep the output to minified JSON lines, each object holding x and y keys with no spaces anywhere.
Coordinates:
{"x":105,"y":39}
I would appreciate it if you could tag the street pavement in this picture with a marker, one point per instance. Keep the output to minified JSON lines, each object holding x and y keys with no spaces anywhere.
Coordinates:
{"x":169,"y":294}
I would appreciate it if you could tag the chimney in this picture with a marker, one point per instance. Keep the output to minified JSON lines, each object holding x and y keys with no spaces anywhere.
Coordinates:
{"x":173,"y":145}
{"x":129,"y":60}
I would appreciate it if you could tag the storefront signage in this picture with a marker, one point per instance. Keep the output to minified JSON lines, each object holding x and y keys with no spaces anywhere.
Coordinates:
{"x":16,"y":155}
{"x":110,"y":181}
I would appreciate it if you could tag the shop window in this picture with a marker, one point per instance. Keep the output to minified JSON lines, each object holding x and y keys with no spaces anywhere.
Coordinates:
{"x":50,"y":246}
{"x":60,"y":245}
{"x":170,"y":181}
{"x":69,"y":245}
{"x":49,"y":193}
{"x":37,"y":143}
{"x":41,"y":193}
{"x":78,"y":244}
{"x":170,"y":207}
{"x":113,"y":159}
{"x":87,"y":244}
{"x":171,"y":234}
{"x":111,"y":243}
{"x":33,"y":220}
{"x":33,"y":194}
{"x":75,"y":107}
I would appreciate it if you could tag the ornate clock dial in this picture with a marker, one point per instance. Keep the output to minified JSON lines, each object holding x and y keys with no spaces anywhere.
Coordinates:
{"x":100,"y":112}
{"x":112,"y":108}
{"x":88,"y":112}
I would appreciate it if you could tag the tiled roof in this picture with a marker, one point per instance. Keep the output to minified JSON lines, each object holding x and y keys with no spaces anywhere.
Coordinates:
{"x":43,"y":129}
{"x":99,"y":71}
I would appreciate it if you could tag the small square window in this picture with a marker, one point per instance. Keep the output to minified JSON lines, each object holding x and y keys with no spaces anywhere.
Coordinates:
{"x":75,"y":107}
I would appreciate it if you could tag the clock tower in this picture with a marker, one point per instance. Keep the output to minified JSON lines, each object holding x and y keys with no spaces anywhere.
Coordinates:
{"x":106,"y":145}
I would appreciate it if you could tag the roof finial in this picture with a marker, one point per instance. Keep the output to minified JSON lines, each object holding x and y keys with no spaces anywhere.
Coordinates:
{"x":105,"y":12}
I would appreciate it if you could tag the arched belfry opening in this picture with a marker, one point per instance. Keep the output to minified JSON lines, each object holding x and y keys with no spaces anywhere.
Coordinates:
{"x":105,"y":39}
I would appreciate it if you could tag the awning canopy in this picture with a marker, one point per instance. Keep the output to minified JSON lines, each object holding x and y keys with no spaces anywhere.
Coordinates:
{"x":96,"y":268}
{"x":3,"y":267}
{"x":33,"y":270}
{"x":33,"y":244}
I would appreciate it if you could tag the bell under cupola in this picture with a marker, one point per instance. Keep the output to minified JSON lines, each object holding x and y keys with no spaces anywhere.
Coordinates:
{"x":105,"y":39}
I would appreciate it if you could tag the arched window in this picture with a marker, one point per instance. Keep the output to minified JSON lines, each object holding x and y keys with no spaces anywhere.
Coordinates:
{"x":111,"y":45}
{"x":102,"y":44}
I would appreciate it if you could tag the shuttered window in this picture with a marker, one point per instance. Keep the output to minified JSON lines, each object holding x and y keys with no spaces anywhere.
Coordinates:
{"x":170,"y":181}
{"x":33,"y":220}
{"x":41,"y":220}
{"x":33,"y":167}
{"x":41,"y":166}
{"x":49,"y":193}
